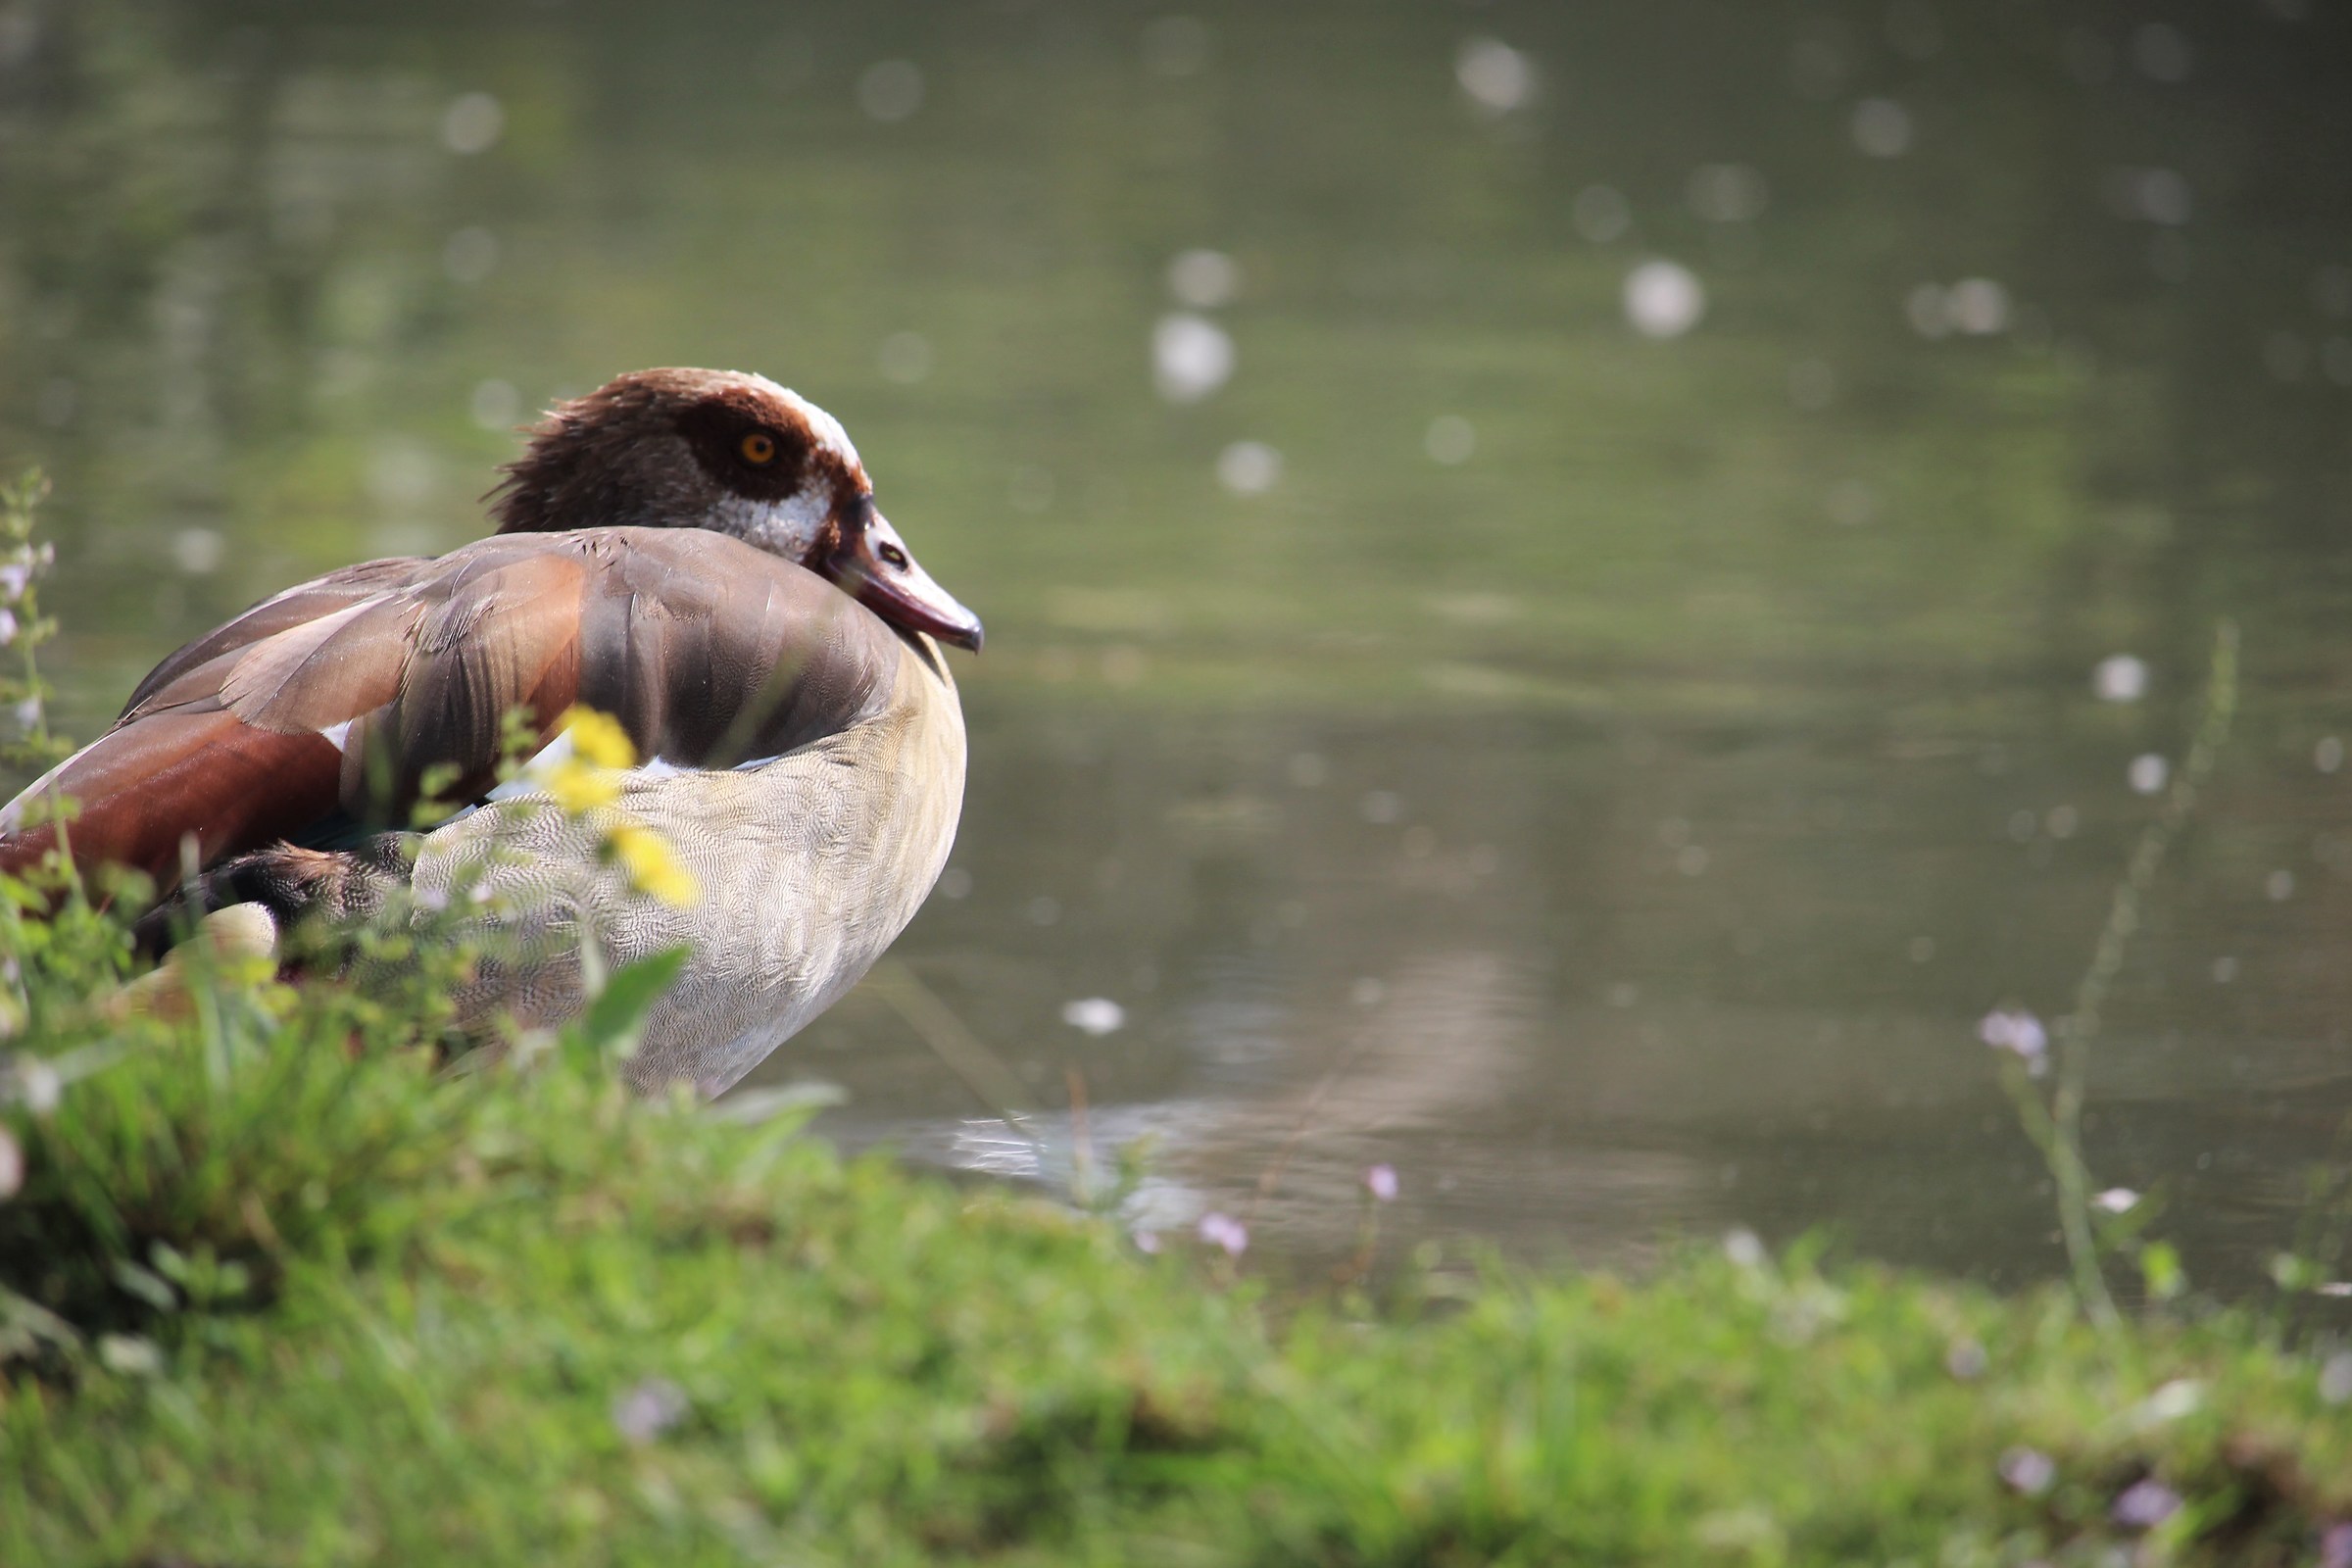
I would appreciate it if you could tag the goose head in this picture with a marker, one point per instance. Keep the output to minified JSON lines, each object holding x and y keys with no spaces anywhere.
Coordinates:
{"x":736,"y":454}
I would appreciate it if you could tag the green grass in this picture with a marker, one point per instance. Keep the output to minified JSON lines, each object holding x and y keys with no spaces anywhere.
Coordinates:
{"x":285,"y":1292}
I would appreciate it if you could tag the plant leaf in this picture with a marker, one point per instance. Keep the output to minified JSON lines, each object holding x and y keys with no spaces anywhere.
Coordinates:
{"x":616,"y":1020}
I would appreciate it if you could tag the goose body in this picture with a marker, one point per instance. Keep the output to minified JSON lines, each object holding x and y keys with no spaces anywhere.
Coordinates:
{"x":696,"y":555}
{"x":801,"y":883}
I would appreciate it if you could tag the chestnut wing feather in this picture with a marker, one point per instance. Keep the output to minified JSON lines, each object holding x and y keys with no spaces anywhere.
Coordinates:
{"x":710,"y":653}
{"x":297,"y":606}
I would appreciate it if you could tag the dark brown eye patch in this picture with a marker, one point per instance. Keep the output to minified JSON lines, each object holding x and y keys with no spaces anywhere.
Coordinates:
{"x":748,"y":445}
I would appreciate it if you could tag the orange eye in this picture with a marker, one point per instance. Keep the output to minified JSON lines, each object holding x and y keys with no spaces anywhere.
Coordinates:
{"x":759,"y":449}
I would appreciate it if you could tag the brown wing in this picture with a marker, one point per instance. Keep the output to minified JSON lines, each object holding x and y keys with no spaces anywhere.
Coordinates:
{"x":708,"y":651}
{"x":308,"y":602}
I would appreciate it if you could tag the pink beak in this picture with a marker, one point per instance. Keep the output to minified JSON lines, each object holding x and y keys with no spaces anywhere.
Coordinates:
{"x":873,"y":565}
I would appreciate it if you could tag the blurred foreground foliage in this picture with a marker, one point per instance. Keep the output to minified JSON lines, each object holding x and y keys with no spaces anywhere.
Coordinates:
{"x":279,"y":1287}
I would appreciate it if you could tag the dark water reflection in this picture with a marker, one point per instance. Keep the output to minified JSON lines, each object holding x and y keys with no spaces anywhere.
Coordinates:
{"x":1584,"y":982}
{"x":1604,"y":776}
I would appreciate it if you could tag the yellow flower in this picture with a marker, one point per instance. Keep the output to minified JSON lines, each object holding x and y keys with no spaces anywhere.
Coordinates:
{"x":653,"y":865}
{"x":597,"y":738}
{"x":579,"y":788}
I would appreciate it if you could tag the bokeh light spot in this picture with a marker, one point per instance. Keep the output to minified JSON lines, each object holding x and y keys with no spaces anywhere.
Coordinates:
{"x":1663,"y":298}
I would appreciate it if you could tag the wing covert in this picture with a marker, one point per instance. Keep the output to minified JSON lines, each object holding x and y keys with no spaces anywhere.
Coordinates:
{"x":340,"y":696}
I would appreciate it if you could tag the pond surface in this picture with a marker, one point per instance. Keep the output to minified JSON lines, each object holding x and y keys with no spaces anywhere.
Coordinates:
{"x":1572,"y":599}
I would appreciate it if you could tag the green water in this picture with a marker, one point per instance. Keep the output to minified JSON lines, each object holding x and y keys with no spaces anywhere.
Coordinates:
{"x":1606,"y":776}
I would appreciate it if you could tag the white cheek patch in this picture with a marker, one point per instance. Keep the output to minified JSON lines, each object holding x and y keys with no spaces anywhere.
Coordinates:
{"x":788,"y":527}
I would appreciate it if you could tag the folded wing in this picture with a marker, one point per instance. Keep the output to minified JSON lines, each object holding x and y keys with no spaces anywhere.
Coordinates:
{"x":336,"y":700}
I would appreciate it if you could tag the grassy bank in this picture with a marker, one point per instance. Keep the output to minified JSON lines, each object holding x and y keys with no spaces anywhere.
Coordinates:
{"x":285,"y":1290}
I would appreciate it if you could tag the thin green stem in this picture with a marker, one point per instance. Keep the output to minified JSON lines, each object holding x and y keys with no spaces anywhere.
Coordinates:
{"x":992,"y":1083}
{"x":2077,"y":1030}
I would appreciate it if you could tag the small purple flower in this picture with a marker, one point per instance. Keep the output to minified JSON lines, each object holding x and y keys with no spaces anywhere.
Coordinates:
{"x":2145,"y":1504}
{"x":13,"y":578}
{"x":1381,"y":1181}
{"x":1223,"y":1230}
{"x":2336,"y":1546}
{"x":646,"y":1411}
{"x":2116,"y":1201}
{"x":2028,"y":1471}
{"x":8,"y":628}
{"x":2021,"y":1034}
{"x":1145,"y":1241}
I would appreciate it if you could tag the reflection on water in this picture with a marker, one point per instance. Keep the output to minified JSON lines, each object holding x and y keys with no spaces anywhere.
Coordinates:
{"x":1574,"y":594}
{"x":1586,"y":984}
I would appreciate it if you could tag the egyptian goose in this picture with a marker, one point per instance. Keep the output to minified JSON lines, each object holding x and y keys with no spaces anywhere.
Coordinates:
{"x":695,"y":554}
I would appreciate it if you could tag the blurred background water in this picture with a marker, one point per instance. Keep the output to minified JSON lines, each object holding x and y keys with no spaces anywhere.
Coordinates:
{"x":1574,"y":594}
